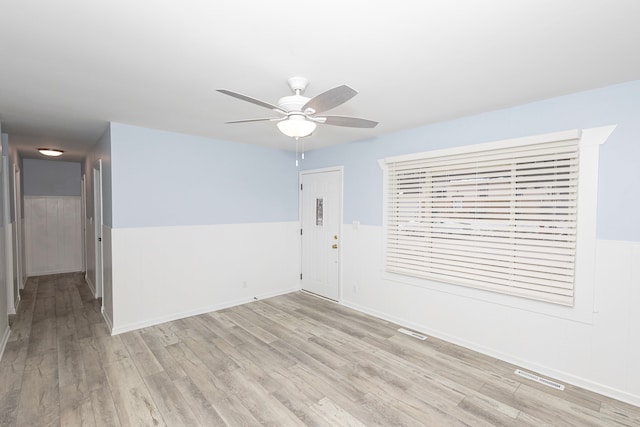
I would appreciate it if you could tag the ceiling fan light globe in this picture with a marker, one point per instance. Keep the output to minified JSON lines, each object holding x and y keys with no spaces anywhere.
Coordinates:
{"x":296,"y":126}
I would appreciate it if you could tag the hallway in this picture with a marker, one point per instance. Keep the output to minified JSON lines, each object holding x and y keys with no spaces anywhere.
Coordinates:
{"x":52,"y":337}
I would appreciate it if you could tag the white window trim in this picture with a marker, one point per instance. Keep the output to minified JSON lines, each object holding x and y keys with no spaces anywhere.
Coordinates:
{"x":583,"y":309}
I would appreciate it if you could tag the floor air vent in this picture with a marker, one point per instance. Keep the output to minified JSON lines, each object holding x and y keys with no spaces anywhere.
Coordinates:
{"x":540,"y":380}
{"x":412,"y":334}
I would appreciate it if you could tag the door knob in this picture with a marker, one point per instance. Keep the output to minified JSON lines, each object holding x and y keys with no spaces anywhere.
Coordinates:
{"x":334,"y":246}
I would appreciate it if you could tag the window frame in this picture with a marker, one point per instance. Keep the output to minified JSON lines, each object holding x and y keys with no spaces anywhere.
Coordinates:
{"x":584,"y":285}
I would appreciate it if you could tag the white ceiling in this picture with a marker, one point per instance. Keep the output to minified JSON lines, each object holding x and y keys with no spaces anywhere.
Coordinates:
{"x":69,"y":67}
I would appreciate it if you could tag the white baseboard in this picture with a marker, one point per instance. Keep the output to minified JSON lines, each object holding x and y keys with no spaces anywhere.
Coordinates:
{"x":5,"y":339}
{"x":55,"y":271}
{"x":90,"y":284}
{"x":201,"y":310}
{"x":18,"y":303}
{"x":107,"y":320}
{"x":526,"y":364}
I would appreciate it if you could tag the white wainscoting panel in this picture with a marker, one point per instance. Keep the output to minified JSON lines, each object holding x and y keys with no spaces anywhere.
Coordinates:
{"x":4,"y":319}
{"x":165,"y":273}
{"x":599,"y":355}
{"x":53,"y":233}
{"x":107,"y":276}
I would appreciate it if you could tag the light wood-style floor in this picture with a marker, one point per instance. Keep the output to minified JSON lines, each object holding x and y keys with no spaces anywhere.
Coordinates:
{"x":285,"y":361}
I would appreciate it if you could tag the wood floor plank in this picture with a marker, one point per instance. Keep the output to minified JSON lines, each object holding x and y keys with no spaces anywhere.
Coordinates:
{"x":621,"y":412}
{"x":9,"y":408}
{"x":104,"y":409}
{"x":135,"y":406}
{"x":300,"y":399}
{"x":334,"y":415}
{"x":164,"y":358}
{"x":39,"y":396}
{"x":164,"y":334}
{"x":552,"y":410}
{"x":76,"y":408}
{"x":122,"y":374}
{"x":82,"y":323}
{"x":261,"y":404}
{"x":70,"y":365}
{"x":12,"y":366}
{"x":288,"y":360}
{"x":200,"y":406}
{"x":42,"y":338}
{"x":172,"y":406}
{"x":141,"y":355}
{"x":227,"y":405}
{"x":93,"y":363}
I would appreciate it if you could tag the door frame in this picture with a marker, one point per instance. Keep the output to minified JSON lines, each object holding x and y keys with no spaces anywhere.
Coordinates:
{"x":83,"y":220}
{"x":98,"y":220}
{"x":339,"y":169}
{"x":8,"y":234}
{"x":18,"y":241}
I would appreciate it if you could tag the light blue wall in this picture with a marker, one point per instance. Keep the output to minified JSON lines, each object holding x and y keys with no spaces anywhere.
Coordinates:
{"x":619,"y":177}
{"x":162,"y":179}
{"x":51,"y":178}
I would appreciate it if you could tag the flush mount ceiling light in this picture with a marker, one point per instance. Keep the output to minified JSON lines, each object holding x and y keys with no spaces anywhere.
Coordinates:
{"x":299,"y":114}
{"x":51,"y":152}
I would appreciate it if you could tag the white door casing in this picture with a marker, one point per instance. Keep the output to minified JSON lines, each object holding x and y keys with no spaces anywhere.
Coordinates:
{"x":18,"y":239}
{"x":83,"y":219}
{"x":321,"y":220}
{"x":97,"y":213}
{"x":8,"y":240}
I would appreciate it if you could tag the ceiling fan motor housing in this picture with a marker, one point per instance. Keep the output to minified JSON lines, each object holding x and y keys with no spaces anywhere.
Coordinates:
{"x":292,"y":103}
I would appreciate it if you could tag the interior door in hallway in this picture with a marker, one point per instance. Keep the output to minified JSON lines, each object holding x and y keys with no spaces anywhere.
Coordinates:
{"x":321,"y":217}
{"x":97,"y":213}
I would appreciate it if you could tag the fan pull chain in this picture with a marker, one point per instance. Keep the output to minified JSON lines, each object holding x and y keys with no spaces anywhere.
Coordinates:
{"x":297,"y":151}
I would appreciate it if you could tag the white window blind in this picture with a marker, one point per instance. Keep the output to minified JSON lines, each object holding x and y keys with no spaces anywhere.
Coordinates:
{"x":500,"y":219}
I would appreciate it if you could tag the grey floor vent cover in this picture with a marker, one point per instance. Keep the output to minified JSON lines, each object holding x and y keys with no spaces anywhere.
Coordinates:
{"x":412,"y":334}
{"x":540,"y":380}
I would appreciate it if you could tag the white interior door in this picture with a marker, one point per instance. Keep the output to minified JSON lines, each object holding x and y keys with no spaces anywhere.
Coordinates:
{"x":97,"y":213}
{"x":7,"y":239}
{"x":321,"y":218}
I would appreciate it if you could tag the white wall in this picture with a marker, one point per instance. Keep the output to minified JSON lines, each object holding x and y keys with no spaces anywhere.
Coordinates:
{"x":600,"y":354}
{"x":166,"y":273}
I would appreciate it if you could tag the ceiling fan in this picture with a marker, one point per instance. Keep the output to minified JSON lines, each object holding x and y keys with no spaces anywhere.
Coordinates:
{"x":299,"y":114}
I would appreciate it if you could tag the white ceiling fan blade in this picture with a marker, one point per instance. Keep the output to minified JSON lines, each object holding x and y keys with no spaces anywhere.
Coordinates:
{"x":265,"y":119}
{"x":330,"y":99}
{"x":352,"y":122}
{"x":252,"y":100}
